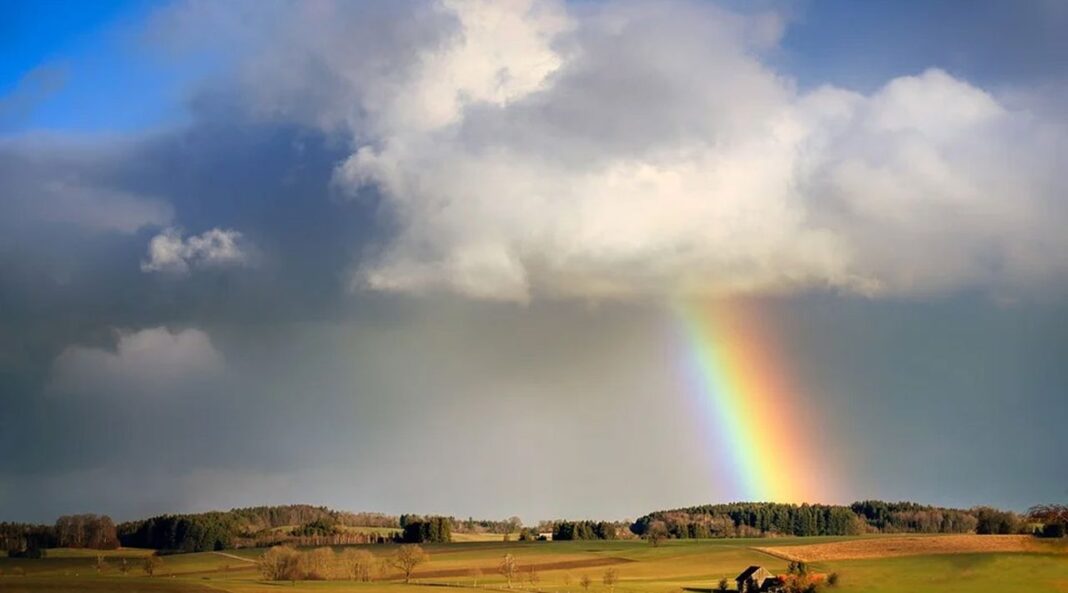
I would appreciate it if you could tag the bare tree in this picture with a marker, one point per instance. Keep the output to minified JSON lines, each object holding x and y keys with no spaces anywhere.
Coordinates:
{"x":513,"y":524}
{"x":585,"y":582}
{"x":86,"y":531}
{"x":407,"y":558}
{"x":475,"y":574}
{"x":508,"y":568}
{"x":1049,"y":513}
{"x":533,"y":577}
{"x":1053,"y":517}
{"x":610,"y":578}
{"x":656,"y":533}
{"x":359,"y":564}
{"x":567,"y":582}
{"x":280,"y":563}
{"x":152,"y":564}
{"x":318,"y":564}
{"x":381,"y":567}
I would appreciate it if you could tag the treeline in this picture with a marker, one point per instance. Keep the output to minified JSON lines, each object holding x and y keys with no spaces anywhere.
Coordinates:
{"x":256,"y":519}
{"x":869,"y":516}
{"x":262,"y":526}
{"x":26,"y":540}
{"x":749,"y":520}
{"x":419,"y":530}
{"x":251,"y":520}
{"x":472,"y":525}
{"x":86,"y":531}
{"x":69,"y":531}
{"x":1052,"y":519}
{"x":253,"y":526}
{"x":582,"y":530}
{"x":259,"y":527}
{"x":181,"y":533}
{"x":910,"y":517}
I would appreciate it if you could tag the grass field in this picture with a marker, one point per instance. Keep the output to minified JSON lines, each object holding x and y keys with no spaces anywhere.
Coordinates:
{"x":673,"y":567}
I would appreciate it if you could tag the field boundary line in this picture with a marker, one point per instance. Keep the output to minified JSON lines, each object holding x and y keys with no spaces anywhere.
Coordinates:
{"x":773,"y":553}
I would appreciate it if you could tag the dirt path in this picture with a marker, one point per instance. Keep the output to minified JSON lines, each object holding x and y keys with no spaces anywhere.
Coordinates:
{"x":235,"y":557}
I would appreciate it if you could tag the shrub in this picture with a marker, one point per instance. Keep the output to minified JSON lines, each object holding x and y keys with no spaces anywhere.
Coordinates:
{"x":318,"y":564}
{"x":319,"y":527}
{"x":359,"y":565}
{"x":281,"y":563}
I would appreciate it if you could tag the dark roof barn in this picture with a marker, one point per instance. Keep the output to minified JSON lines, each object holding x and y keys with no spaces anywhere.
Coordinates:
{"x":758,"y":574}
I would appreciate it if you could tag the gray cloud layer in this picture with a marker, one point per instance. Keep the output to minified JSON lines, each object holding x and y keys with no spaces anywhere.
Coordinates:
{"x":151,"y":362}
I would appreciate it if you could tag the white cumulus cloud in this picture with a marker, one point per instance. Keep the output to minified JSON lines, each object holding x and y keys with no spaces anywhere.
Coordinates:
{"x":649,"y":149}
{"x":170,"y":252}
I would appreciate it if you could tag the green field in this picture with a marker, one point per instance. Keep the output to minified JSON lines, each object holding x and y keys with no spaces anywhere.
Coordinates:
{"x":674,"y":566}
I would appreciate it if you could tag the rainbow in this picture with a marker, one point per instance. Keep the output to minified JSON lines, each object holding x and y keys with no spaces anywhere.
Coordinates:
{"x":757,"y":418}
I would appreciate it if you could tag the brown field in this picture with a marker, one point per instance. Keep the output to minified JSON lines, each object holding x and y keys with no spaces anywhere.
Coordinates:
{"x":884,"y":547}
{"x":477,"y":537}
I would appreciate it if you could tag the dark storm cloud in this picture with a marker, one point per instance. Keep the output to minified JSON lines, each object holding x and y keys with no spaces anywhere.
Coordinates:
{"x":949,"y":401}
{"x":315,"y":388}
{"x":269,"y":182}
{"x":78,"y":217}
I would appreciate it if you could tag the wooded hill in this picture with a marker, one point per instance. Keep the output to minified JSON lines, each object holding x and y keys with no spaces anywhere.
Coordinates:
{"x":748,"y":519}
{"x":253,"y":526}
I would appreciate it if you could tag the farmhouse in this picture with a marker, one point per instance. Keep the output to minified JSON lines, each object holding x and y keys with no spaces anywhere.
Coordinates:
{"x":765,"y":581}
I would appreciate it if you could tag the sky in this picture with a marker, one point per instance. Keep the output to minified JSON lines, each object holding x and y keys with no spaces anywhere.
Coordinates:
{"x":459,"y":257}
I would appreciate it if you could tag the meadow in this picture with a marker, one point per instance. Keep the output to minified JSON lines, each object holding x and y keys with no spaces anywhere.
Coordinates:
{"x":677,"y":566}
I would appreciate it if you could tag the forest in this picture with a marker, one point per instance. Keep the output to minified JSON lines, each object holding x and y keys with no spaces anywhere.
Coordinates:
{"x":756,"y":519}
